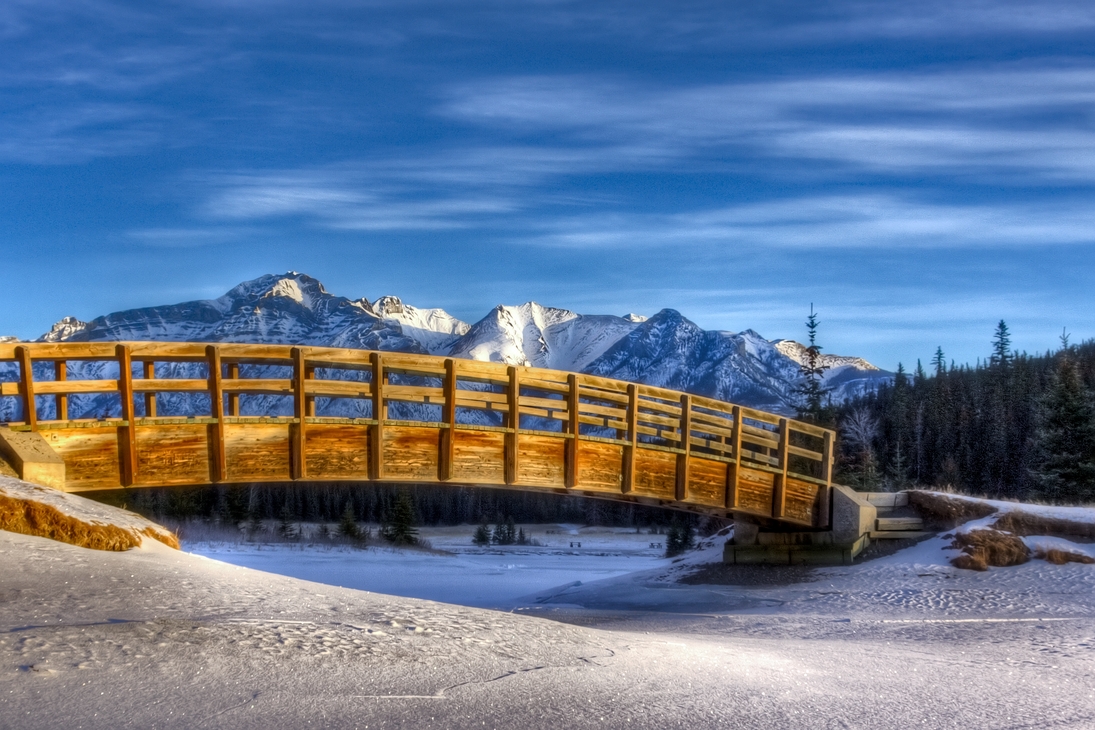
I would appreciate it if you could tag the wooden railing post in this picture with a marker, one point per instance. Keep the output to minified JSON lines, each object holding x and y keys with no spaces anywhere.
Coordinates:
{"x":297,"y":441}
{"x":686,"y":446}
{"x":733,"y":469}
{"x":310,"y":400}
{"x":448,"y":415}
{"x":779,"y":483}
{"x":218,"y":462}
{"x":513,"y":424}
{"x":573,"y":428}
{"x":823,"y":499}
{"x":60,"y":373}
{"x":380,"y":413}
{"x":26,"y":387}
{"x":233,"y":398}
{"x":632,"y":438}
{"x":149,"y":398}
{"x":127,"y":433}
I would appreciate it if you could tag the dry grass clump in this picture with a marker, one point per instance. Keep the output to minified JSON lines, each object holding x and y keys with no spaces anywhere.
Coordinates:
{"x":1025,"y":524}
{"x":28,"y":517}
{"x":1060,"y":557}
{"x":982,"y":548}
{"x":947,"y":511}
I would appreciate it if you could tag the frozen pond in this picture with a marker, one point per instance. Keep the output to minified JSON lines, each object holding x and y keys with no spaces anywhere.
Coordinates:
{"x":456,"y":571}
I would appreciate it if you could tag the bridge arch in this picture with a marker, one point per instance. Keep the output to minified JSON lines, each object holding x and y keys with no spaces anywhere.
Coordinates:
{"x":417,"y":419}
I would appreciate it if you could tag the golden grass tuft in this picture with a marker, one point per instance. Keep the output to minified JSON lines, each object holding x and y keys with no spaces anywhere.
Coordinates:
{"x":1060,"y":557}
{"x":1026,"y":524}
{"x":28,"y":517}
{"x":983,"y":548}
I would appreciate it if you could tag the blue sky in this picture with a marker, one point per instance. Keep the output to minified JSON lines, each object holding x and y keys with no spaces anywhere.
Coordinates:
{"x":917,"y":171}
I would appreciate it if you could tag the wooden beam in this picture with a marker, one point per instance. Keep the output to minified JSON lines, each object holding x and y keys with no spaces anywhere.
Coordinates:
{"x":150,"y":397}
{"x":60,"y":373}
{"x":380,"y":413}
{"x":686,"y":446}
{"x":824,"y":500}
{"x":310,"y":400}
{"x":297,"y":461}
{"x":127,"y":434}
{"x":632,"y":438}
{"x":570,"y":467}
{"x":779,"y":484}
{"x":733,"y":470}
{"x":513,"y":423}
{"x":233,"y":398}
{"x":218,"y":458}
{"x":448,"y":416}
{"x":26,"y":387}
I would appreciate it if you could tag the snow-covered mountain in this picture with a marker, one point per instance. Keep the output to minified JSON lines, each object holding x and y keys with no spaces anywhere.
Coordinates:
{"x":666,"y":350}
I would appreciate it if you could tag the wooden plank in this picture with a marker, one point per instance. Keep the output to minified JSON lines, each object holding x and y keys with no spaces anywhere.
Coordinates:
{"x":9,"y":388}
{"x":779,"y":486}
{"x":127,"y":435}
{"x":298,"y":430}
{"x":60,"y":401}
{"x":218,"y":455}
{"x":380,"y":413}
{"x":572,"y":427}
{"x":68,"y":350}
{"x":592,"y":381}
{"x":632,"y":438}
{"x":258,"y":386}
{"x":733,"y":471}
{"x":609,"y":411}
{"x":551,"y":386}
{"x":49,"y":387}
{"x":448,"y":415}
{"x":527,"y":401}
{"x":412,"y":392}
{"x":338,"y":388}
{"x":824,"y":496}
{"x":149,"y":372}
{"x":513,"y":422}
{"x":309,"y":399}
{"x":26,"y":387}
{"x":474,"y":396}
{"x":168,"y":385}
{"x":686,"y":445}
{"x":233,"y":398}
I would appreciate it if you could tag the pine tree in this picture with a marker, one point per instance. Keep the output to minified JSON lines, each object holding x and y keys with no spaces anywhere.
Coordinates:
{"x":811,"y":391}
{"x":1064,"y":440}
{"x":400,"y":529}
{"x":680,"y":537}
{"x":939,"y":362}
{"x":1001,"y":346}
{"x":482,"y":534}
{"x":505,"y":532}
{"x":347,"y":527}
{"x":285,"y":524}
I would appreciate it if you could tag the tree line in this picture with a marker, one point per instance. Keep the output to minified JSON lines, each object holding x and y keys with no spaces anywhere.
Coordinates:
{"x":1013,"y":425}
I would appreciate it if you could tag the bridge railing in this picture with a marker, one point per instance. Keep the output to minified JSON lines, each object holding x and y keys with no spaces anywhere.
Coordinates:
{"x":402,"y":392}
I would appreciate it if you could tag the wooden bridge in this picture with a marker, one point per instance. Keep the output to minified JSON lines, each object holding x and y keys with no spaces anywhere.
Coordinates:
{"x":470,"y":423}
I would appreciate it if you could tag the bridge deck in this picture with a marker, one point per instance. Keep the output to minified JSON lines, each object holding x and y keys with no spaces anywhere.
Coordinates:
{"x":417,"y":418}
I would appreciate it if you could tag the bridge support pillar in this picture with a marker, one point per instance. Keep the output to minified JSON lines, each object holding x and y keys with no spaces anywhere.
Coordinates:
{"x":33,"y":459}
{"x":852,"y":519}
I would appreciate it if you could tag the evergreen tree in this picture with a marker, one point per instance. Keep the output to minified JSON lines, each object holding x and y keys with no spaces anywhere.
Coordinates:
{"x":505,"y":532}
{"x":939,"y":362}
{"x":1001,"y":346}
{"x":482,"y":534}
{"x":811,"y":391}
{"x":1064,"y":441}
{"x":285,"y":523}
{"x":400,"y":529}
{"x":680,"y":537}
{"x":522,"y":538}
{"x":347,"y":526}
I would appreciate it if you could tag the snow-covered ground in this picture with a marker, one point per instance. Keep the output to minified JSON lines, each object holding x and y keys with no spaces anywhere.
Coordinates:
{"x":155,"y":637}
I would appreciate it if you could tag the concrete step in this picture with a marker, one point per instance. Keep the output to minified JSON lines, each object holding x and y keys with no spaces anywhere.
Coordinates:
{"x":888,"y":524}
{"x":900,"y":534}
{"x":887,"y":499}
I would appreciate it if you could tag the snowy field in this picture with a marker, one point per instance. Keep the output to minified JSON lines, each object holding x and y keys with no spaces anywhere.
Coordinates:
{"x":154,"y":637}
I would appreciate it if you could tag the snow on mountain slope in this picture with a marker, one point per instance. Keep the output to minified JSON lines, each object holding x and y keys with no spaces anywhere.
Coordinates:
{"x":543,"y":337}
{"x":666,"y":350}
{"x":435,"y":329}
{"x":670,"y":351}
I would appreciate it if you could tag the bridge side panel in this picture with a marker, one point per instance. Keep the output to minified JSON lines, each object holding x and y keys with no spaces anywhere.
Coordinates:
{"x":755,"y":488}
{"x":655,"y":474}
{"x":91,"y":457}
{"x":706,"y":481}
{"x":337,"y":451}
{"x":600,"y":467}
{"x":410,"y":453}
{"x":541,"y":462}
{"x":172,"y":454}
{"x":257,"y":452}
{"x":801,"y":501}
{"x":479,"y":457}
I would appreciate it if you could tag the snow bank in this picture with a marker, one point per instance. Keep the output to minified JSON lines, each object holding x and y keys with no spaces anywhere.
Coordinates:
{"x":30,"y":509}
